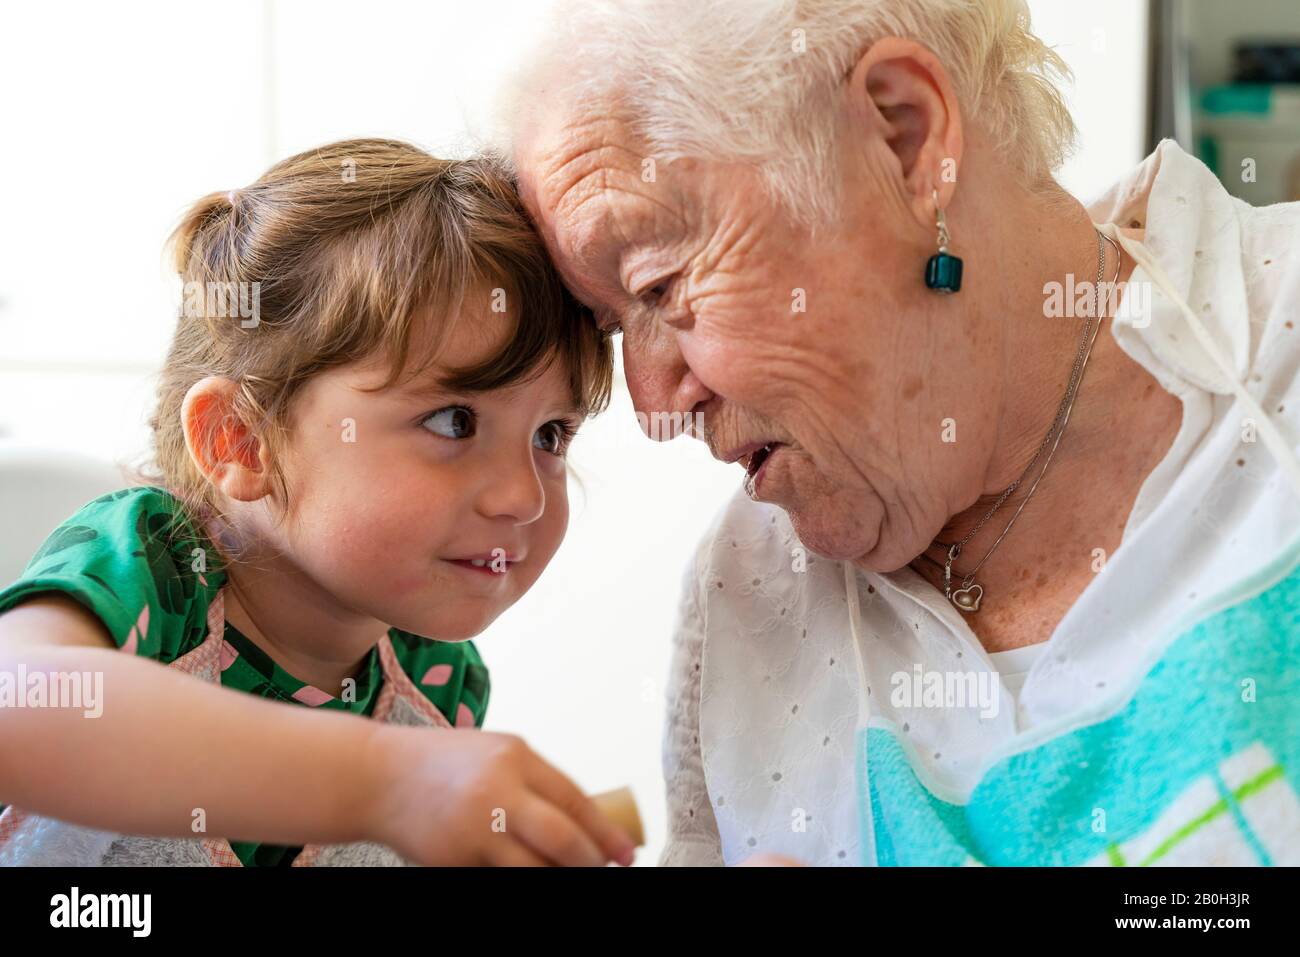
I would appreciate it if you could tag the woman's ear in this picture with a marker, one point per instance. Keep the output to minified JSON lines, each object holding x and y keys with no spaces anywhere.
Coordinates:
{"x":903,"y":93}
{"x":222,"y":446}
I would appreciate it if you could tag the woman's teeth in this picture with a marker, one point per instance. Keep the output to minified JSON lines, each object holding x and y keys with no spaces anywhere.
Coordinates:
{"x":758,"y":458}
{"x":478,"y":562}
{"x":755,"y":465}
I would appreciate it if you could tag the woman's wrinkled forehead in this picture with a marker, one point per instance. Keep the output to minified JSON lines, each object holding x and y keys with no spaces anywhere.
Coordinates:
{"x":594,"y":195}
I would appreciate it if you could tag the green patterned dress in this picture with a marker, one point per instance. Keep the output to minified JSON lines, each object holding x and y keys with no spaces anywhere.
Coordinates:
{"x":135,"y":560}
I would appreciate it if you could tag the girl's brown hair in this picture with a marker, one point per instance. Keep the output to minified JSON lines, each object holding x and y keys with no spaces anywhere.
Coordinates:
{"x":328,"y":259}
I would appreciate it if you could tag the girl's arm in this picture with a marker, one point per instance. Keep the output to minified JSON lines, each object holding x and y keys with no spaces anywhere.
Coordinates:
{"x":167,"y":745}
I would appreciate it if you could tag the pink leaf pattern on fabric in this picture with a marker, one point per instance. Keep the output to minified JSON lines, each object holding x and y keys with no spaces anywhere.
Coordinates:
{"x":228,"y":654}
{"x":314,"y":697}
{"x":139,"y":631}
{"x":437,"y":675}
{"x":464,"y":717}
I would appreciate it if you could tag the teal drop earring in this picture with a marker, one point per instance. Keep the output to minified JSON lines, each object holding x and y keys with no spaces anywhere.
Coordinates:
{"x":943,"y":271}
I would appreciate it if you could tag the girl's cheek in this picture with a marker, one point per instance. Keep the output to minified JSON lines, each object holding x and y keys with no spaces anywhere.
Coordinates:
{"x":551,"y":467}
{"x":555,"y":521}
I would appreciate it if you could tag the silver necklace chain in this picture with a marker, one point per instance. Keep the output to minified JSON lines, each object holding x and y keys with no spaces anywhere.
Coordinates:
{"x":970,"y":594}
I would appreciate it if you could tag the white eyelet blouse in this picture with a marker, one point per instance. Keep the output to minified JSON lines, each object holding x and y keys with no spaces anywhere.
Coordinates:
{"x":766,"y":686}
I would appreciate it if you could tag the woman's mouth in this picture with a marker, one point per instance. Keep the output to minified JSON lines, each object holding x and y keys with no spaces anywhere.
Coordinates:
{"x":756,"y":465}
{"x":754,"y":461}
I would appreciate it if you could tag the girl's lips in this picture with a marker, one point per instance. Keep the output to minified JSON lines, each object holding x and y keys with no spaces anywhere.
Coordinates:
{"x":483,"y":566}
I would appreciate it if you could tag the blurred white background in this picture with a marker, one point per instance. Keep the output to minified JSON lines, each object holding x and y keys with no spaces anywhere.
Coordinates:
{"x":117,"y":115}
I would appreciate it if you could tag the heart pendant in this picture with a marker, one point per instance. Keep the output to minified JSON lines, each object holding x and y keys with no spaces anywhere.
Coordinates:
{"x":968,"y":599}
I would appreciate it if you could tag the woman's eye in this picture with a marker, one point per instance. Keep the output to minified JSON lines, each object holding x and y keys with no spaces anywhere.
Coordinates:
{"x":655,"y":294}
{"x":607,"y":321}
{"x":553,"y":437}
{"x":453,"y":422}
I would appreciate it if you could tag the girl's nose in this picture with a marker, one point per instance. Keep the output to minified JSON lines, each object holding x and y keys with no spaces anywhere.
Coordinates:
{"x":513,"y":490}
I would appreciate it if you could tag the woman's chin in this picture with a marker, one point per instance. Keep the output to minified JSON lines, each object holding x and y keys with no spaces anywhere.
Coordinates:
{"x":851,"y":531}
{"x":832,"y":533}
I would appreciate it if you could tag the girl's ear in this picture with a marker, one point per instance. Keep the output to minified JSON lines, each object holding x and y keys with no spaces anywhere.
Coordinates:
{"x":222,"y":446}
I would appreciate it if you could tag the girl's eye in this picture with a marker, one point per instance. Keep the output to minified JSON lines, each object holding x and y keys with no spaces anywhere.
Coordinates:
{"x":554,"y":437}
{"x":453,"y":422}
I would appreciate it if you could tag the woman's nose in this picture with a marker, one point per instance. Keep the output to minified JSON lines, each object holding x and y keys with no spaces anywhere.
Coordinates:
{"x":513,"y":490}
{"x":665,"y":392}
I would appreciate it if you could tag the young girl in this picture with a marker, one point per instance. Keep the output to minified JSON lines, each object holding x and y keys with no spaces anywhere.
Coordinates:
{"x":359,"y":463}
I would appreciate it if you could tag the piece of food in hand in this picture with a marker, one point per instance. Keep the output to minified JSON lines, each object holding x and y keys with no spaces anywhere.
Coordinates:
{"x":620,"y":807}
{"x":768,"y":859}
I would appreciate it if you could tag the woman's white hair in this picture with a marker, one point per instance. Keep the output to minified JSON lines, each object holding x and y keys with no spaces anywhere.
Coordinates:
{"x":758,"y":81}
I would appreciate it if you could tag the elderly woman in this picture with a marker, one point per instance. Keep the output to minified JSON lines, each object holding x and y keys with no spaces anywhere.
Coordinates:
{"x":1012,"y":578}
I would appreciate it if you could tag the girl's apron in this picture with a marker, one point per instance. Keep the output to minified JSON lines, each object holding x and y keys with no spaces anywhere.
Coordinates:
{"x":31,"y":839}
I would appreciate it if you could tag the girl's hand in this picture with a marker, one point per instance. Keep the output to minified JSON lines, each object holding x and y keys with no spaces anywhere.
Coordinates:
{"x":457,"y":797}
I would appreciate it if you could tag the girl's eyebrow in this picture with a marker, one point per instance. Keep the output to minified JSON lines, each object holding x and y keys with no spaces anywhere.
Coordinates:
{"x":424,"y":390}
{"x":429,"y":385}
{"x":568,"y":410}
{"x":433,"y":389}
{"x":565,"y":409}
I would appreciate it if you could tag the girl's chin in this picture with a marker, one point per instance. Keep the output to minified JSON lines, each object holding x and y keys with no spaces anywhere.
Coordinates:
{"x":458,"y":627}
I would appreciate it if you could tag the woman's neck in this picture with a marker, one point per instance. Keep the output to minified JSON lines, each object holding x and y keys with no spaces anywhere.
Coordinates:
{"x":1121,"y":424}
